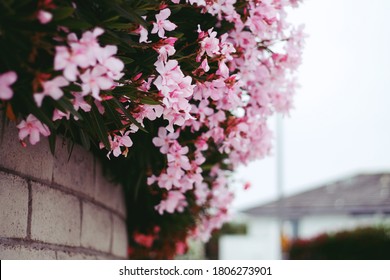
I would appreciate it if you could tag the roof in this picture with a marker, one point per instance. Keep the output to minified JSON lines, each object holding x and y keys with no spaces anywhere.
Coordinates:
{"x":361,"y":194}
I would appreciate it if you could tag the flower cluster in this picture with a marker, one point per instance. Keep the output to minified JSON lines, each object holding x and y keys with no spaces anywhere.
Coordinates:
{"x":172,"y":96}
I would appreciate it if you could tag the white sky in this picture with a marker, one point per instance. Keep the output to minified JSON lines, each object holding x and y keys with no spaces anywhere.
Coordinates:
{"x":341,"y":122}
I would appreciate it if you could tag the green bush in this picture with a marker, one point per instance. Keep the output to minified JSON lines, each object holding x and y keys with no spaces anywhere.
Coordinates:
{"x":366,"y":243}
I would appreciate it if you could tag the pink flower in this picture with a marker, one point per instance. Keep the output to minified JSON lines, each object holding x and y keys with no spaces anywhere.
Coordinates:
{"x":171,"y":178}
{"x":145,"y":240}
{"x":32,"y":127}
{"x":44,"y":16}
{"x":164,"y":139}
{"x":176,"y":156}
{"x":176,"y":201}
{"x":51,"y":88}
{"x":67,"y":61}
{"x":204,"y":65}
{"x":6,"y":80}
{"x":113,"y":65}
{"x":210,"y":44}
{"x":89,"y":41}
{"x":79,"y":102}
{"x":162,"y":23}
{"x":95,"y":80}
{"x":181,"y":247}
{"x":119,"y":141}
{"x":143,"y":32}
{"x":58,"y":115}
{"x":165,"y":51}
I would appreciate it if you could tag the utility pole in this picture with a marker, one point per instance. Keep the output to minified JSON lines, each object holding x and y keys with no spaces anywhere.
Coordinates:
{"x":280,"y":178}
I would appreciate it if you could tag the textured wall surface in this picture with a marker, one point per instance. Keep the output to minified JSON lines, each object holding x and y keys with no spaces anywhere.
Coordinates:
{"x":56,"y":207}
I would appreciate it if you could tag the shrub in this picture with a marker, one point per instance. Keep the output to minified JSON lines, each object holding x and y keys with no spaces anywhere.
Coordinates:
{"x":367,"y":243}
{"x":172,"y":95}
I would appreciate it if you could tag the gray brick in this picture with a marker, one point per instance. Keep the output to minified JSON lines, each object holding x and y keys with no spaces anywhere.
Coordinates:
{"x":55,"y":216}
{"x":74,"y":256}
{"x":119,"y":244}
{"x":96,"y":228}
{"x":13,"y":206}
{"x":106,"y":192}
{"x":120,"y":204}
{"x":35,"y":161}
{"x":76,"y":172}
{"x":18,"y":252}
{"x":105,"y":257}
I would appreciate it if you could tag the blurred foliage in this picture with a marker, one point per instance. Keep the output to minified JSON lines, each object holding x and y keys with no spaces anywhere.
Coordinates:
{"x":366,"y":243}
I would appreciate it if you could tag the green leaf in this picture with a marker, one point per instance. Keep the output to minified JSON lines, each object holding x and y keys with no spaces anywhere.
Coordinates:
{"x":62,"y":13}
{"x":128,"y":115}
{"x":85,"y":141}
{"x":113,"y":18}
{"x":136,"y":95}
{"x":73,"y":87}
{"x":125,"y":59}
{"x":128,"y":13}
{"x":99,"y":127}
{"x":113,"y":114}
{"x":52,"y":143}
{"x":37,"y":112}
{"x":67,"y":106}
{"x":119,"y":25}
{"x":74,"y":23}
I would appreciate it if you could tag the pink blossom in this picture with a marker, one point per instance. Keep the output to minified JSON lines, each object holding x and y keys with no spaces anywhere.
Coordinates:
{"x":210,"y":44}
{"x":181,"y":247}
{"x":165,"y":51}
{"x":67,"y":61}
{"x":162,"y":23}
{"x":164,"y":139}
{"x":145,"y":240}
{"x":6,"y":80}
{"x":95,"y":80}
{"x":32,"y":127}
{"x":90,"y":43}
{"x":79,"y":102}
{"x":204,"y":65}
{"x":113,"y":65}
{"x":58,"y":115}
{"x":44,"y":16}
{"x":175,"y":201}
{"x":119,"y":143}
{"x":170,"y":75}
{"x":143,"y":32}
{"x":177,"y":156}
{"x":51,"y":88}
{"x":171,"y":178}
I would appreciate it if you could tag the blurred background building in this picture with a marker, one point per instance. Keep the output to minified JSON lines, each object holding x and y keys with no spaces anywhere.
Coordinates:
{"x":339,"y":128}
{"x":362,"y":200}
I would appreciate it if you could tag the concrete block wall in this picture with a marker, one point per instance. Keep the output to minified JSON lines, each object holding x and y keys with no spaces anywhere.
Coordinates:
{"x":56,"y":207}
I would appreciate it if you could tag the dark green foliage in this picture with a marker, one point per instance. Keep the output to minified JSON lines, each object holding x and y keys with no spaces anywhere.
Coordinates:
{"x":368,"y":243}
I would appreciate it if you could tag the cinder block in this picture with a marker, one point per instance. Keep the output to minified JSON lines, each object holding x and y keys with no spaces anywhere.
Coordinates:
{"x":119,"y":244}
{"x":96,"y":228}
{"x":120,"y":204}
{"x":35,"y":161}
{"x":76,"y":172}
{"x":55,"y":216}
{"x":105,"y":257}
{"x":74,"y":256}
{"x":13,"y":206}
{"x":19,"y":252}
{"x":106,"y":192}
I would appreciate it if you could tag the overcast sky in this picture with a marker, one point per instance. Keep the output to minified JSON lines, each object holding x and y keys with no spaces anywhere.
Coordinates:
{"x":341,"y":122}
